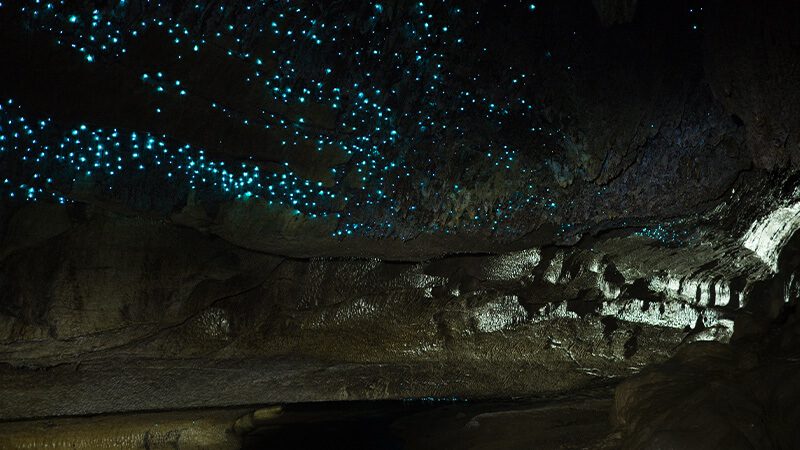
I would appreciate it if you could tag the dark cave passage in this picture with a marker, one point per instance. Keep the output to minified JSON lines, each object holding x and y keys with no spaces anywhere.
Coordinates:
{"x":262,"y":223}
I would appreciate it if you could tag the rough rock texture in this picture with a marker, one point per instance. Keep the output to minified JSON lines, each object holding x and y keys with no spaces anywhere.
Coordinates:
{"x":740,"y":396}
{"x":186,"y":430}
{"x":93,"y":293}
{"x":216,"y":204}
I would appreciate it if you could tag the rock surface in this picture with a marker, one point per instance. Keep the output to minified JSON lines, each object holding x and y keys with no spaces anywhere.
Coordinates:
{"x":217,"y":204}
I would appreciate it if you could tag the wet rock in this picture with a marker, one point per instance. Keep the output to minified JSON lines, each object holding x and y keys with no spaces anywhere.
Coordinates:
{"x":181,"y":430}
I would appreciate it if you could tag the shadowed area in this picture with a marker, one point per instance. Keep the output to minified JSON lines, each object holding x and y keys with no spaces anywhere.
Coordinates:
{"x":399,"y":224}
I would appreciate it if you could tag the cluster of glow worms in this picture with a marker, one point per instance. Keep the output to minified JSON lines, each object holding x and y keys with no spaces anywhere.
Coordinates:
{"x":363,"y":66}
{"x":668,"y":234}
{"x":51,"y":161}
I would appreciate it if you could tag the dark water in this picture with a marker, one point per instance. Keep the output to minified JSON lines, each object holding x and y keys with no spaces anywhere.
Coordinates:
{"x":343,"y":425}
{"x":510,"y":424}
{"x":367,"y":433}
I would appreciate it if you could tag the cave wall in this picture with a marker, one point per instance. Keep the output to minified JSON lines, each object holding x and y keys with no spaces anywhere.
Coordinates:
{"x":626,"y":197}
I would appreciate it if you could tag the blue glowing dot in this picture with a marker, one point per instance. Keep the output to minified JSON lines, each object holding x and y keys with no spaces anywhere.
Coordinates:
{"x":364,"y":108}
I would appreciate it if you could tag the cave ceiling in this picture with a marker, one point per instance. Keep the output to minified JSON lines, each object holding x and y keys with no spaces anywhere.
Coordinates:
{"x":367,"y":200}
{"x":478,"y":120}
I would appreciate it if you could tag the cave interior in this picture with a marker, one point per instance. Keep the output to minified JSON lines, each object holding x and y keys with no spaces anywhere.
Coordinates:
{"x":396,"y":224}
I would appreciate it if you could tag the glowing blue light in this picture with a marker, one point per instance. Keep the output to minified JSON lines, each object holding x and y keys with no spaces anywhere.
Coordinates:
{"x":369,"y":125}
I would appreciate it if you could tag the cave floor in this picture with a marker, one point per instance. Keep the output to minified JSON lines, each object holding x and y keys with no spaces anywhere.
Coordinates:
{"x":580,"y":420}
{"x":114,"y":385}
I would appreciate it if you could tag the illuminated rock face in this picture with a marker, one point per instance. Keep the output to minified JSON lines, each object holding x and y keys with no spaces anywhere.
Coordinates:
{"x":375,"y":200}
